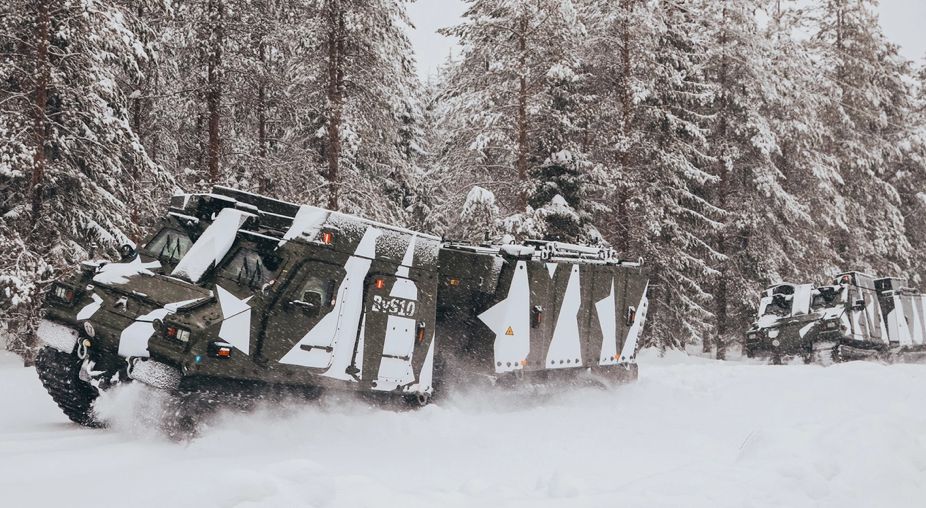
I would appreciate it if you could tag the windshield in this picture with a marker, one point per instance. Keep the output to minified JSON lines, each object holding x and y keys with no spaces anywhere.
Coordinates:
{"x":825,"y":298}
{"x":169,"y":245}
{"x":774,"y":309}
{"x":249,"y":268}
{"x":778,"y":307}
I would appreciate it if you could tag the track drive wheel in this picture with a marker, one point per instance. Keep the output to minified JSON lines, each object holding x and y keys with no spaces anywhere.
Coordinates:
{"x":60,"y":374}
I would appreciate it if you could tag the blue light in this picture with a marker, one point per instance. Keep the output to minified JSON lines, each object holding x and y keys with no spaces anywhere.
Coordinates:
{"x":199,"y":359}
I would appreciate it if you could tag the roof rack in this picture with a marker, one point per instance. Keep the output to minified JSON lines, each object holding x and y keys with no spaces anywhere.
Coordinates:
{"x":554,"y":249}
{"x":276,"y":217}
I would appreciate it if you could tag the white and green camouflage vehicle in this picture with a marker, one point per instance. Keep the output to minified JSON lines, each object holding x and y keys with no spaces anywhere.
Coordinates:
{"x":856,"y":317}
{"x":240,"y":293}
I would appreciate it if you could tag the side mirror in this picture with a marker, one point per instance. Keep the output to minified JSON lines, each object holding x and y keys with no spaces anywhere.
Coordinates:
{"x":127,"y":252}
{"x":858,"y":305}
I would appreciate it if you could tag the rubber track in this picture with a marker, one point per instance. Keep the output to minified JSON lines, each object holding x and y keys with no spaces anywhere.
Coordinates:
{"x":59,"y":373}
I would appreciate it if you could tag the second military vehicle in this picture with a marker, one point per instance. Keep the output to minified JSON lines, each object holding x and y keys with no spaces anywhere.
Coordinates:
{"x":241,"y":293}
{"x":858,"y":316}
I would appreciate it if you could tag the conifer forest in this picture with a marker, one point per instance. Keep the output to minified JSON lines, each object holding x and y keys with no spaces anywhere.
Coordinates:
{"x":730,"y":144}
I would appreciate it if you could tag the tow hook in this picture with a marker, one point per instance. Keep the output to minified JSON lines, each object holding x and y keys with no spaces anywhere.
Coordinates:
{"x":88,"y":375}
{"x":82,"y":348}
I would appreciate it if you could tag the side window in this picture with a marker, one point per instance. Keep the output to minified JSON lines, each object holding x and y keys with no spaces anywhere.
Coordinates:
{"x":169,"y":245}
{"x":248,"y":268}
{"x":318,"y":290}
{"x":825,"y":297}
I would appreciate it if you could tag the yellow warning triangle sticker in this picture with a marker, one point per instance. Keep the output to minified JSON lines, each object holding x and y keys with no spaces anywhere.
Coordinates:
{"x":509,"y":331}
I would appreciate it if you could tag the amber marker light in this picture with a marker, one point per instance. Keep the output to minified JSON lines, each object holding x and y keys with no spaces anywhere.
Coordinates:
{"x":421,"y":327}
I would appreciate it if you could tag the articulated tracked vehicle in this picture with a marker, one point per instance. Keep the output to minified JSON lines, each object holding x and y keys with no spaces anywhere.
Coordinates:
{"x":856,"y":317}
{"x":243,"y":293}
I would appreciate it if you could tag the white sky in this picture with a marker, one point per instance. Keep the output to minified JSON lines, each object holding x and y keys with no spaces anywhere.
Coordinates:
{"x":904,"y":22}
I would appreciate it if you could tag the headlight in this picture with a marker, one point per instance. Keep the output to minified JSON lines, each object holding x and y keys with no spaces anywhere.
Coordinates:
{"x":177,"y":333}
{"x":752,"y":335}
{"x":63,"y":293}
{"x":776,"y":343}
{"x":831,"y":325}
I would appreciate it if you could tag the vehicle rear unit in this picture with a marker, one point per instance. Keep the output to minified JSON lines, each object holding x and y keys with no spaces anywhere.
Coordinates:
{"x":856,"y":317}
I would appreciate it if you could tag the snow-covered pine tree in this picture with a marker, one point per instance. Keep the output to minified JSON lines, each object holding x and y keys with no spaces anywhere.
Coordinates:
{"x":68,"y":153}
{"x":190,"y":88}
{"x":510,"y":95}
{"x":559,"y":183}
{"x":757,"y":240}
{"x":308,"y":100}
{"x":267,"y":147}
{"x":370,"y":105}
{"x":868,"y":123}
{"x":909,"y":178}
{"x":648,"y":136}
{"x":431,"y":186}
{"x":168,"y":97}
{"x":797,"y":97}
{"x":479,"y":220}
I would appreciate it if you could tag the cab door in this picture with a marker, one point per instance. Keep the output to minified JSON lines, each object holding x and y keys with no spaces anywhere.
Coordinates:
{"x":867,"y":322}
{"x":306,"y":321}
{"x":632,"y":309}
{"x":392,"y":329}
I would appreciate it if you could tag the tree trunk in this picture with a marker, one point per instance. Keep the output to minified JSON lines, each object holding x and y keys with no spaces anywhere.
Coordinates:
{"x":335,"y":98}
{"x":522,"y":116}
{"x":214,"y":91}
{"x":263,"y":181}
{"x":42,"y":79}
{"x":623,"y":195}
{"x":720,"y":298}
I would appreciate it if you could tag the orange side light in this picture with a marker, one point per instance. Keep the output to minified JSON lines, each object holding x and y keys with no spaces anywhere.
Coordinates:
{"x":379,"y":283}
{"x":420,"y":335}
{"x":327,"y":237}
{"x":223,"y":352}
{"x":454,"y":282}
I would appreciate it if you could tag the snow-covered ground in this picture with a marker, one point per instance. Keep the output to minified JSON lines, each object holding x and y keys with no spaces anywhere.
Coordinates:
{"x":690,"y":433}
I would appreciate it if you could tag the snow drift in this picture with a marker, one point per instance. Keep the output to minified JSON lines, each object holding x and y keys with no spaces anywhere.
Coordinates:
{"x":691,"y":432}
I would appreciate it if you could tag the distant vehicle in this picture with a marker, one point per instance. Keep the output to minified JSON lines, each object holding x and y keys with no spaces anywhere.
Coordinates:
{"x":857,"y":317}
{"x":239,"y":293}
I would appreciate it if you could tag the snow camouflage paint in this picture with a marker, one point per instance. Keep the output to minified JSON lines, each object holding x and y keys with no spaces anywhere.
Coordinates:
{"x":633,"y":335}
{"x":133,"y":341}
{"x":320,"y":345}
{"x":565,"y":347}
{"x":273,"y":293}
{"x":509,"y":321}
{"x":395,"y":368}
{"x":857,"y":316}
{"x":212,"y":246}
{"x":608,"y":320}
{"x":236,"y":320}
{"x":90,"y":309}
